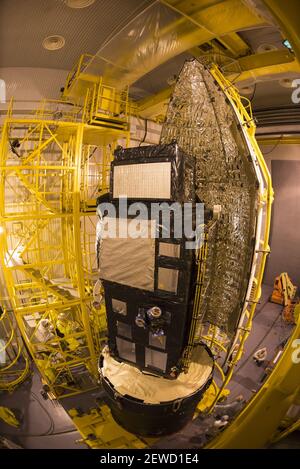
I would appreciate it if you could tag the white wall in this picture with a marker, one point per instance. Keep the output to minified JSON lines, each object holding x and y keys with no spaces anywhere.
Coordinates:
{"x":280,"y":152}
{"x":284,"y":239}
{"x":32,"y":84}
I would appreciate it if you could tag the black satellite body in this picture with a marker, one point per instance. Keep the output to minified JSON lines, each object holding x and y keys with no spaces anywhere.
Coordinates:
{"x":149,"y":283}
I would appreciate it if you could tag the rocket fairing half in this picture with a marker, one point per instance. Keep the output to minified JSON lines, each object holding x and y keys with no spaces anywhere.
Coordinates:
{"x":205,"y":125}
{"x":151,"y":285}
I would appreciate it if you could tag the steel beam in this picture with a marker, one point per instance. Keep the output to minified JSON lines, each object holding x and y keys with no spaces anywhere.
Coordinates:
{"x":256,"y":67}
{"x":215,"y":17}
{"x":196,"y":23}
{"x":155,"y":104}
{"x":234,"y":44}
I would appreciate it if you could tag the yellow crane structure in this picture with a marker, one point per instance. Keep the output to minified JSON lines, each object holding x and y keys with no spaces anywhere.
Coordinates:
{"x":54,"y":163}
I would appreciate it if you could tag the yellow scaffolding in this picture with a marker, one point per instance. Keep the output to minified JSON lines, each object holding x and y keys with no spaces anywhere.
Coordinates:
{"x":104,"y":104}
{"x":54,"y":164}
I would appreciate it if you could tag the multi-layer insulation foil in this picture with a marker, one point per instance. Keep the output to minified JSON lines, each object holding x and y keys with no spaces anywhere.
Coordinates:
{"x":128,"y":261}
{"x":205,"y":126}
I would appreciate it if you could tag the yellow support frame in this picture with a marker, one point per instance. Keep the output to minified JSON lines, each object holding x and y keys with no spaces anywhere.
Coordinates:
{"x":53,"y":196}
{"x":108,"y":106}
{"x":99,"y":430}
{"x":49,"y":184}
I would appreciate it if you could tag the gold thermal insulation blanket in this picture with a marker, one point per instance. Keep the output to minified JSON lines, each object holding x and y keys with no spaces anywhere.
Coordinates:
{"x":205,"y":126}
{"x":129,"y":380}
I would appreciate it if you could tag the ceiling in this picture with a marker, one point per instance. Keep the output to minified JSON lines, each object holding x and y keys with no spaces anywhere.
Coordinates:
{"x":268,"y":35}
{"x":25,"y":24}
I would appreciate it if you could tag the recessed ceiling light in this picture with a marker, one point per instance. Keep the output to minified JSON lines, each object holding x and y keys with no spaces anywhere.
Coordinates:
{"x":286,"y":82}
{"x":265,"y":48}
{"x":79,"y":3}
{"x":245,"y":90}
{"x":54,"y":42}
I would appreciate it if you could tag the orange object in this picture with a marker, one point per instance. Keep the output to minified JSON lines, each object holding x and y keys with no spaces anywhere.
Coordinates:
{"x":284,"y":291}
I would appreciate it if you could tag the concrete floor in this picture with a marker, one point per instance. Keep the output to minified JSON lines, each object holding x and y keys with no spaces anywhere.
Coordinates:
{"x":268,"y":330}
{"x":45,"y":424}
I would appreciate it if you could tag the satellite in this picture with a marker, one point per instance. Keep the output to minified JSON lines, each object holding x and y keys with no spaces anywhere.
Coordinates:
{"x":164,"y":282}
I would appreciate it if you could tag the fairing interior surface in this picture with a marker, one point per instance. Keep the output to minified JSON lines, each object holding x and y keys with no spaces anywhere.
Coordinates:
{"x":205,"y":126}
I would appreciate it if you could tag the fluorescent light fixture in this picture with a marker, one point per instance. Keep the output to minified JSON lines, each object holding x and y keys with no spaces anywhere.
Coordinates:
{"x":287,"y":44}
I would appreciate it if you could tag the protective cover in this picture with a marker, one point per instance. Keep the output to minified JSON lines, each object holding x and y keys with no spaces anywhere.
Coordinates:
{"x":153,"y":36}
{"x":151,"y":405}
{"x":205,"y":126}
{"x":128,"y":261}
{"x":160,"y":32}
{"x":128,"y":380}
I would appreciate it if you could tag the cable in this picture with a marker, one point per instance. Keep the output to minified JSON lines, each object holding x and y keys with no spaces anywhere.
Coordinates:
{"x":275,"y":146}
{"x":92,"y":153}
{"x":64,"y":432}
{"x":258,"y":344}
{"x":145,"y":133}
{"x":50,"y":429}
{"x":52,"y":426}
{"x":236,"y":78}
{"x":253,"y":94}
{"x":30,"y":435}
{"x":49,"y":432}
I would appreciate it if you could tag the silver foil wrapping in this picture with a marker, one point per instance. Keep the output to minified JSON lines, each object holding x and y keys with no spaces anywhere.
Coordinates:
{"x":205,"y":126}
